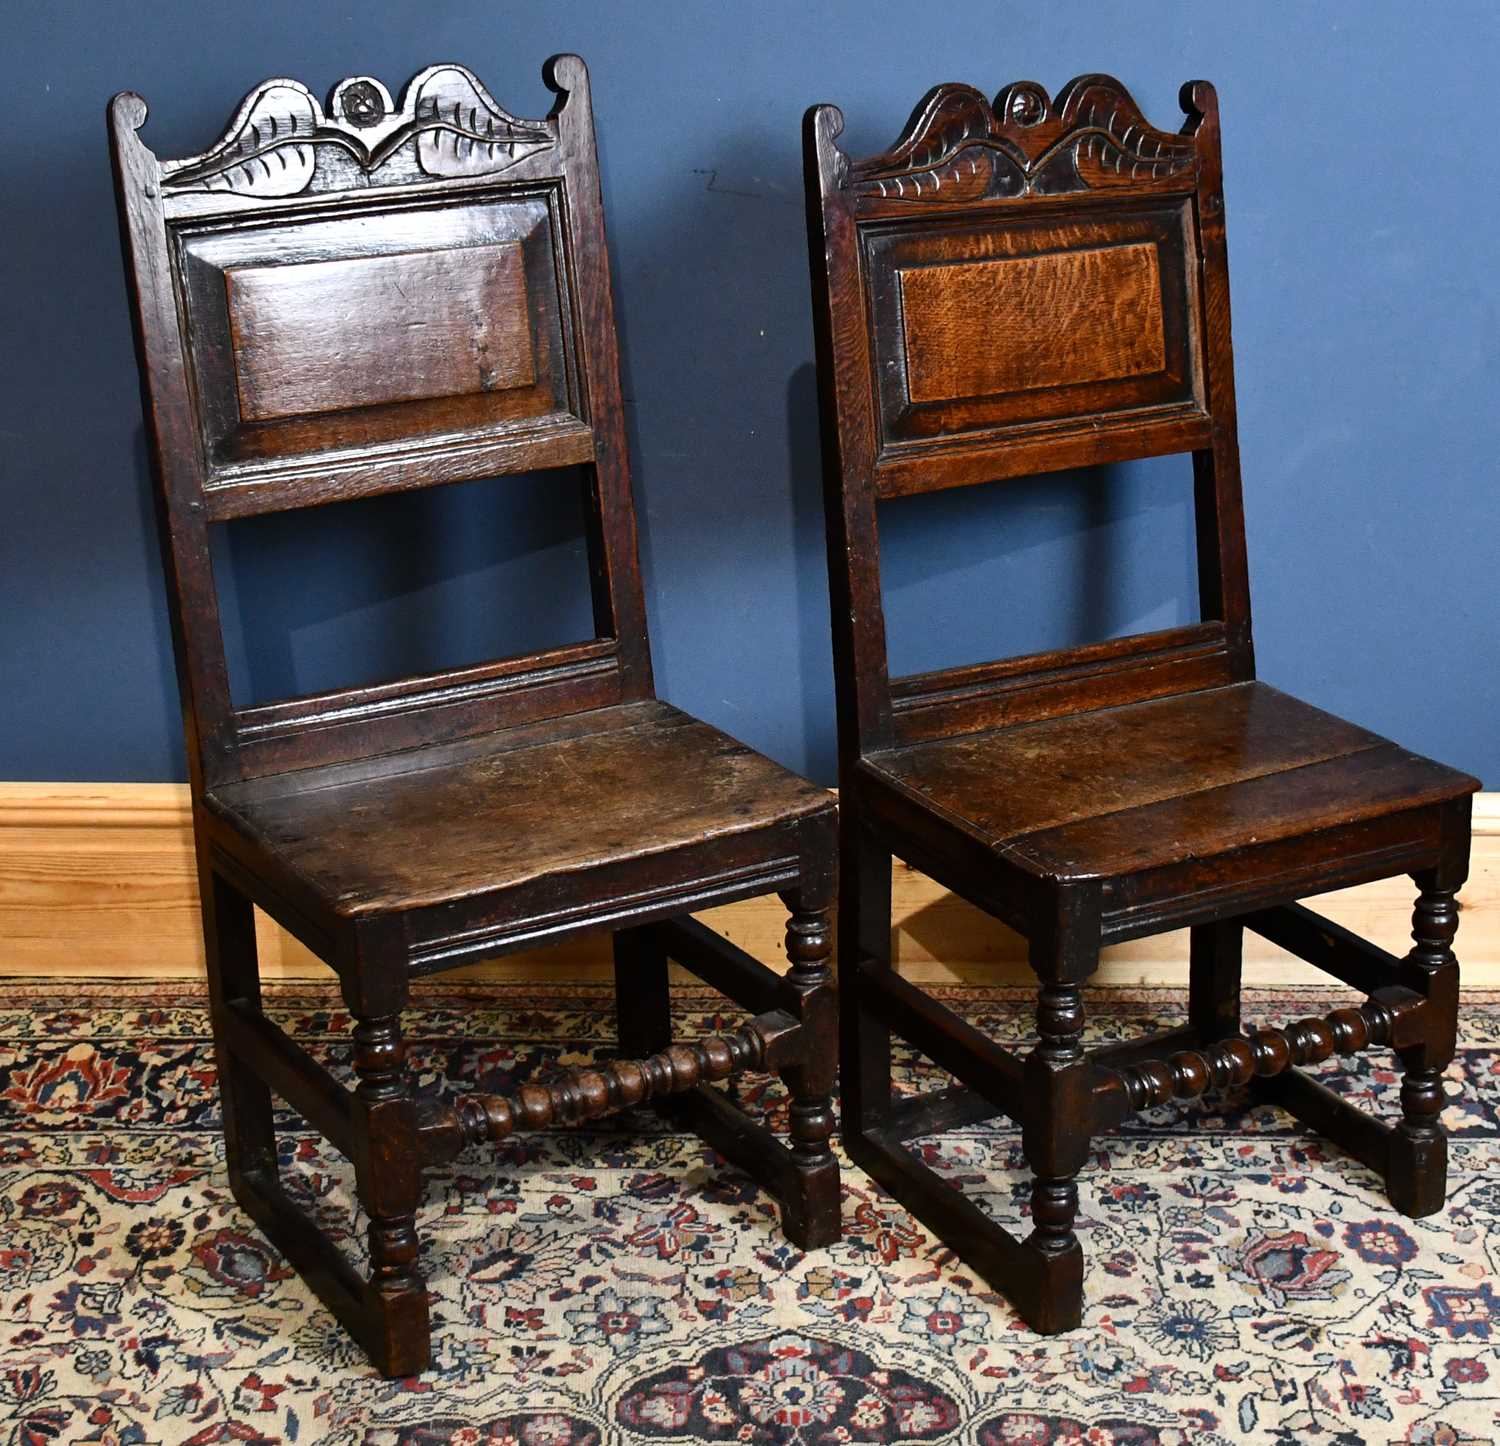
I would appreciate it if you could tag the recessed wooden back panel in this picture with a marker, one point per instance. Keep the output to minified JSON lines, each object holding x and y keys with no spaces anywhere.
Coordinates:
{"x":992,"y":342}
{"x":370,"y":296}
{"x":1016,"y":288}
{"x":1030,"y":322}
{"x":445,"y":334}
{"x":448,"y":323}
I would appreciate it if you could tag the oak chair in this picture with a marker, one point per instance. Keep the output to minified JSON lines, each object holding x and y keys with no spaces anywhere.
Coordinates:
{"x":336,"y":302}
{"x":1013,"y":289}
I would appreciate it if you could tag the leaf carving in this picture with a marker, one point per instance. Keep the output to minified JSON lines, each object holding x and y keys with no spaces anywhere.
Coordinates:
{"x":268,"y":150}
{"x":958,"y":148}
{"x":464,"y":133}
{"x":1112,"y":141}
{"x":446,"y":118}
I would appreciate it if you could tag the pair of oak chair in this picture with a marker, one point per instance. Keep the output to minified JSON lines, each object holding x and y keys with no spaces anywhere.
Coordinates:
{"x":1012,"y":289}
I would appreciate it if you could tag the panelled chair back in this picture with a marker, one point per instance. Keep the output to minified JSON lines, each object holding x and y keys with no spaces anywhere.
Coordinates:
{"x":1016,"y":288}
{"x":373,"y":296}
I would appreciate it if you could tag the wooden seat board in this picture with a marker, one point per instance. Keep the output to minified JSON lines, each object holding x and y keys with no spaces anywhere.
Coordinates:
{"x":1013,"y":781}
{"x":1106,"y":791}
{"x":481,"y":819}
{"x":1285,"y":804}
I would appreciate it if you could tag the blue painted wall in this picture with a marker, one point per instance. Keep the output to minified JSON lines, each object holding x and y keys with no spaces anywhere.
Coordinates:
{"x":1363,"y":187}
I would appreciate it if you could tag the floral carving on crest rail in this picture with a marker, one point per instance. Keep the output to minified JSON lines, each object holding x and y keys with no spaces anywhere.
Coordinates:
{"x":958,"y":148}
{"x":281,"y":142}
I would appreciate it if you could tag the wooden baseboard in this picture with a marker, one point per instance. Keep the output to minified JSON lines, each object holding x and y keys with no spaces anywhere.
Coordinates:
{"x":97,"y":880}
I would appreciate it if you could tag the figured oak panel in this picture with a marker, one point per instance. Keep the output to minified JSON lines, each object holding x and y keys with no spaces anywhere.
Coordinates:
{"x":985,"y":327}
{"x":1009,"y":345}
{"x":437,"y":324}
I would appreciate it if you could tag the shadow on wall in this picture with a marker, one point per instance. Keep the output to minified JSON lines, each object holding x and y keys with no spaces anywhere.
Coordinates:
{"x":712,"y":300}
{"x":151,"y":566}
{"x":814,"y":645}
{"x":384,"y":587}
{"x":1036,"y":563}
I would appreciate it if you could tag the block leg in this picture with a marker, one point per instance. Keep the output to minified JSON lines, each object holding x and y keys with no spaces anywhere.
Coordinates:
{"x":864,"y":935}
{"x":1214,"y":969}
{"x":234,"y":976}
{"x":643,"y":1000}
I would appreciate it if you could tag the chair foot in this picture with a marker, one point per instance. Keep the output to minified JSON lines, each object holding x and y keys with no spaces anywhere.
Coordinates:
{"x":389,"y":1323}
{"x":811,"y":1208}
{"x":1049,"y":1297}
{"x":397,"y":1335}
{"x":1041,"y":1280}
{"x":1417,"y":1176}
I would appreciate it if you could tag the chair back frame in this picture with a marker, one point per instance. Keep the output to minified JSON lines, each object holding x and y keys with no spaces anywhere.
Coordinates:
{"x":369,"y":297}
{"x":1014,"y":289}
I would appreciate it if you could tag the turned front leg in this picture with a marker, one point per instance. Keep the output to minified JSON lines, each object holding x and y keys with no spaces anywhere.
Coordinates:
{"x":811,"y":1215}
{"x":388,"y":1173}
{"x":1056,"y":1129}
{"x":1417,"y":1177}
{"x":1058,"y":1114}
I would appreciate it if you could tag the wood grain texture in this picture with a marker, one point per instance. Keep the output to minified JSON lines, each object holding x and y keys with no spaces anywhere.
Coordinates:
{"x":435,"y":825}
{"x":440,"y":323}
{"x":432,"y":344}
{"x":1113,"y":791}
{"x":98,"y":880}
{"x":1038,"y":686}
{"x":1011,"y":782}
{"x":983,"y":327}
{"x":1001,"y":343}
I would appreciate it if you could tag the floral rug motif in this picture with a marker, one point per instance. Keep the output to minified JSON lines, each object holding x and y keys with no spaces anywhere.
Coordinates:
{"x":1245,"y":1282}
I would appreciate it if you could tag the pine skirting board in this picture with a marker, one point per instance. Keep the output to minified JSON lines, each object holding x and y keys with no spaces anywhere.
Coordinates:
{"x":98,"y":880}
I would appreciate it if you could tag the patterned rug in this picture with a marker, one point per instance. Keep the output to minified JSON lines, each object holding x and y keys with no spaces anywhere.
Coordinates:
{"x":1244,"y":1282}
